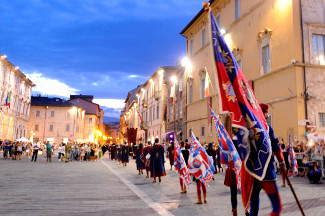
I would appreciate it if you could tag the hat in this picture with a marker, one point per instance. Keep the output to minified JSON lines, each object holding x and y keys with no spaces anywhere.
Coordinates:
{"x":264,"y":107}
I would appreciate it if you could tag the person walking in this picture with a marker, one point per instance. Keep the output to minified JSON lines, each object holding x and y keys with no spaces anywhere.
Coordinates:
{"x":157,"y":165}
{"x":35,"y":148}
{"x":48,"y":152}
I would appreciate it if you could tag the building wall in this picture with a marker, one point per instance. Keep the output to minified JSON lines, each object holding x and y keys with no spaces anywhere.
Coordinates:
{"x":272,"y":22}
{"x":14,"y":120}
{"x":63,"y":116}
{"x":90,"y":127}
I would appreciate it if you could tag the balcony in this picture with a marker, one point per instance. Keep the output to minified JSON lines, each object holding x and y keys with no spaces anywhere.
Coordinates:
{"x":144,"y":103}
{"x":156,"y":95}
{"x":144,"y":126}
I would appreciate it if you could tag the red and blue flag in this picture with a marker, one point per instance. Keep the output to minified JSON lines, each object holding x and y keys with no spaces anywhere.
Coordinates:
{"x":229,"y":154}
{"x":180,"y":164}
{"x":200,"y":164}
{"x":248,"y":121}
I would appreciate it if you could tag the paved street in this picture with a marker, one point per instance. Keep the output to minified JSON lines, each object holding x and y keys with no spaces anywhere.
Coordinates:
{"x":106,"y":188}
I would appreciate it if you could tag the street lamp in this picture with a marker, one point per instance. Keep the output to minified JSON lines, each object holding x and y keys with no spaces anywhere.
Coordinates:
{"x":174,"y":80}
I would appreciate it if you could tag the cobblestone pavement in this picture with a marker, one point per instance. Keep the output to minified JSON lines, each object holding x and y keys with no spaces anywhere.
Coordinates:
{"x":106,"y":188}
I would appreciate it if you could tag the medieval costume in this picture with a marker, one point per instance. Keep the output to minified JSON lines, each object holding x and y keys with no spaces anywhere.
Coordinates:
{"x":147,"y":158}
{"x":269,"y":181}
{"x":140,"y":158}
{"x":157,"y":165}
{"x":125,"y":154}
{"x":171,"y":155}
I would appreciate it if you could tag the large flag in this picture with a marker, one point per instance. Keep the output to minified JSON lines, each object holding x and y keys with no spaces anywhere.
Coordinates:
{"x":292,"y":159}
{"x":172,"y":93}
{"x":180,"y":164}
{"x":248,"y":122}
{"x":206,"y":84}
{"x":229,"y":154}
{"x":200,"y":163}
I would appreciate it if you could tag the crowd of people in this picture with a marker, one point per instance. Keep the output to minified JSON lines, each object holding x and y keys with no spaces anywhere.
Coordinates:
{"x":66,"y":151}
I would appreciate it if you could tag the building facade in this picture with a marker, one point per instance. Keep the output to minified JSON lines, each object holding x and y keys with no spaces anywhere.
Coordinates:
{"x":56,"y":120}
{"x":176,"y":106}
{"x":279,"y":45}
{"x":93,"y":116}
{"x":152,"y":105}
{"x":15,"y":99}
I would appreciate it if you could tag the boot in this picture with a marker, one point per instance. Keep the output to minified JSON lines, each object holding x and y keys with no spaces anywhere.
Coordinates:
{"x":234,"y":212}
{"x":205,"y":198}
{"x":199,"y":199}
{"x":185,"y":189}
{"x":182,"y":189}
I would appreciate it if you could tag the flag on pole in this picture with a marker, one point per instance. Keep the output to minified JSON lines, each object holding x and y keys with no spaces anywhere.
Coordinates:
{"x":200,"y":163}
{"x":292,"y":160}
{"x":140,"y":117}
{"x":8,"y":99}
{"x":206,"y":84}
{"x":249,"y":124}
{"x":229,"y":155}
{"x":180,"y":165}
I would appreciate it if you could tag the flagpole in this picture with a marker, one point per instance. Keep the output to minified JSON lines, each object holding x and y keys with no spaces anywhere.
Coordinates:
{"x":294,"y":193}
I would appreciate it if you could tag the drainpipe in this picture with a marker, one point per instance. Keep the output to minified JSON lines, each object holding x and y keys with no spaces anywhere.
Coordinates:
{"x":303,"y":61}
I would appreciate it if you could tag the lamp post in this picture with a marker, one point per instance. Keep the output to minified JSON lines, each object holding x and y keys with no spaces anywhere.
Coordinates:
{"x":174,"y":80}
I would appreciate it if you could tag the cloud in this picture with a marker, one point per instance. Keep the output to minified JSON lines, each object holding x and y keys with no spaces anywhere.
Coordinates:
{"x":111,"y":103}
{"x":48,"y":86}
{"x":111,"y":107}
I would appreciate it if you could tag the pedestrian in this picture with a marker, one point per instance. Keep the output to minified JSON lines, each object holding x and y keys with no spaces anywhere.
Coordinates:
{"x":19,"y":150}
{"x":49,"y":151}
{"x":82,"y":152}
{"x":269,"y":181}
{"x":212,"y":153}
{"x":171,"y":154}
{"x":28,"y":150}
{"x":140,"y":159}
{"x":6,"y":146}
{"x":157,"y":163}
{"x":147,"y":158}
{"x":67,"y":152}
{"x":35,"y":147}
{"x":185,"y":154}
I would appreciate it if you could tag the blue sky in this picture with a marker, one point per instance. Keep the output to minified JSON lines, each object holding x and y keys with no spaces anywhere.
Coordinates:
{"x":99,"y":47}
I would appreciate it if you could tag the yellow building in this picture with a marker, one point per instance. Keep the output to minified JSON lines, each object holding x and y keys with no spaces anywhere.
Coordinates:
{"x":279,"y":44}
{"x":56,"y":120}
{"x":16,"y":88}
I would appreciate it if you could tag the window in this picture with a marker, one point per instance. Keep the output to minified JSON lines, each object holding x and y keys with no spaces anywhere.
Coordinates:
{"x":52,"y":113}
{"x":191,"y":47}
{"x":51,"y":127}
{"x":90,"y":120}
{"x":203,"y":37}
{"x":190,"y":99}
{"x":157,"y":112}
{"x":202,"y":131}
{"x":266,"y":60}
{"x":150,"y":114}
{"x":37,"y":127}
{"x":237,"y":9}
{"x":77,"y":114}
{"x":202,"y":88}
{"x":321,"y":117}
{"x":318,"y":49}
{"x":218,"y":20}
{"x":67,"y":128}
{"x":38,"y":113}
{"x":153,"y":113}
{"x":190,"y":132}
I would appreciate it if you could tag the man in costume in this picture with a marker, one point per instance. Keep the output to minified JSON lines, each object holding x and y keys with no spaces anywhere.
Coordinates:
{"x":269,"y":181}
{"x":139,"y":160}
{"x":125,"y":154}
{"x":171,"y":155}
{"x":147,"y":158}
{"x":157,"y":165}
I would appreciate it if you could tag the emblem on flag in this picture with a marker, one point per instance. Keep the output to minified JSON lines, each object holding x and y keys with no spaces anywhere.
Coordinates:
{"x":180,"y":165}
